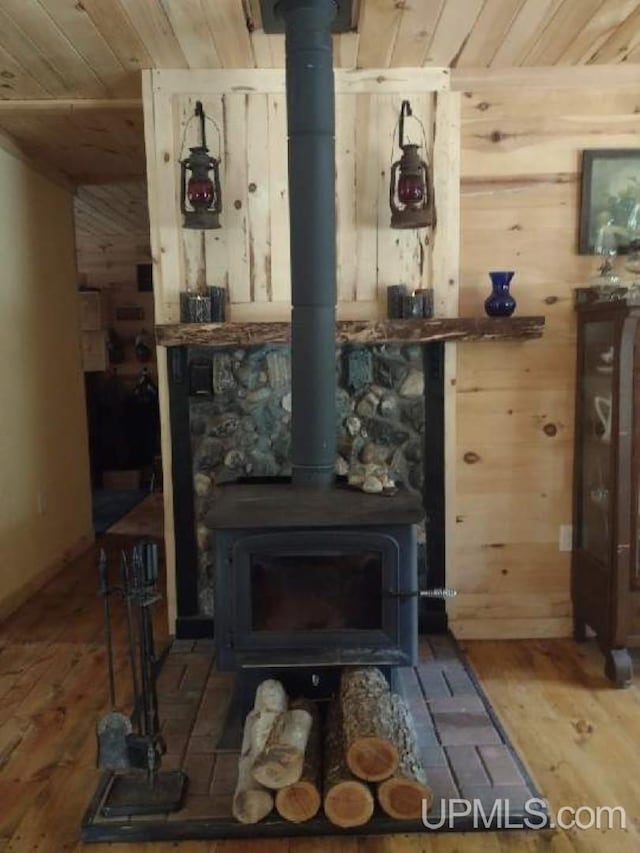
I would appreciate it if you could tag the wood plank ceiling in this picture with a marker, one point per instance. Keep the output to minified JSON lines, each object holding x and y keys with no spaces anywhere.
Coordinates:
{"x":94,"y":49}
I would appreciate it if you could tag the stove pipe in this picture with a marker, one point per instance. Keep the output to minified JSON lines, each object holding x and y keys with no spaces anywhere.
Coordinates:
{"x":311,"y":131}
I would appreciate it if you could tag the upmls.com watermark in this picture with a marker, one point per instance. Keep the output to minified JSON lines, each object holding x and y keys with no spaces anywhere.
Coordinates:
{"x":534,"y":815}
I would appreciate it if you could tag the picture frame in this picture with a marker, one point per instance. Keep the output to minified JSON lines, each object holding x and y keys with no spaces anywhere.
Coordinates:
{"x":610,"y":201}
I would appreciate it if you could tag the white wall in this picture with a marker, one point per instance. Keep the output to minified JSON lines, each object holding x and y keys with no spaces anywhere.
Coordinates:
{"x":45,"y":500}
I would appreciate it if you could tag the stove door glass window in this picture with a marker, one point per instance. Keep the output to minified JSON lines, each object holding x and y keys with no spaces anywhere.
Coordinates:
{"x":316,"y":592}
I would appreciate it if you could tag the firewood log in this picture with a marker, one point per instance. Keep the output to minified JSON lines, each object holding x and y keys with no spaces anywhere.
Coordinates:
{"x":280,"y":762}
{"x":301,"y":800}
{"x":347,"y":800}
{"x":252,"y":801}
{"x":402,"y":794}
{"x":368,"y":724}
{"x":270,"y":696}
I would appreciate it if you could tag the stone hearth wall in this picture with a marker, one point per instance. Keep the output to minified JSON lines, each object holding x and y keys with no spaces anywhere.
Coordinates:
{"x":243,"y":429}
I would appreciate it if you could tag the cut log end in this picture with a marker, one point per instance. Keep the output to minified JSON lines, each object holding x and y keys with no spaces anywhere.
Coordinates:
{"x":372,"y":758}
{"x":299,"y":802}
{"x":348,"y":804}
{"x":280,"y":767}
{"x":403,"y":798}
{"x":251,"y":806}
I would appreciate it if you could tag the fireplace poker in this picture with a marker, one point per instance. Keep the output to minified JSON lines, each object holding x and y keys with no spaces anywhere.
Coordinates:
{"x":114,"y":728}
{"x":126,"y":594}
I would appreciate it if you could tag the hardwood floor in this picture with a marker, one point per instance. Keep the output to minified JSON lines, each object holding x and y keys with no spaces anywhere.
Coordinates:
{"x":579,"y":737}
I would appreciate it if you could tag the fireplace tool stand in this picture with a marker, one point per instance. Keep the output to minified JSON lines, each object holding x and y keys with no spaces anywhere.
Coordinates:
{"x":143,"y":788}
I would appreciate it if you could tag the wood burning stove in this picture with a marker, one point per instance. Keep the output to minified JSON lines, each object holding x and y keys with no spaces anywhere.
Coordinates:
{"x":311,"y":580}
{"x":306,"y":578}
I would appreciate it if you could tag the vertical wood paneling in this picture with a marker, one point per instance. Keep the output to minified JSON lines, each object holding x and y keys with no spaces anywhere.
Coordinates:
{"x":249,"y":254}
{"x":187,"y":135}
{"x":346,"y":195}
{"x":258,"y":198}
{"x":399,"y":250}
{"x":234,"y":196}
{"x":216,"y":248}
{"x":279,"y":199}
{"x":446,"y":177}
{"x":366,"y":247}
{"x":166,"y":219}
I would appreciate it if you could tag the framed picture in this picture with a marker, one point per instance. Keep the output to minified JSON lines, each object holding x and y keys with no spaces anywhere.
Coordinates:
{"x":610,"y":203}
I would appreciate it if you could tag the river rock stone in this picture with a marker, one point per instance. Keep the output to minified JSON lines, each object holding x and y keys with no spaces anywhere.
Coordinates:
{"x":263,"y":464}
{"x":279,"y":369}
{"x":223,"y":378}
{"x":367,"y":406}
{"x":258,"y":395}
{"x":204,"y":537}
{"x":202,"y":484}
{"x":353,"y":425}
{"x":235,"y":460}
{"x":388,"y":406}
{"x":223,"y":426}
{"x":413,"y":385}
{"x":358,"y":368}
{"x":342,"y":466}
{"x":372,"y":485}
{"x":209,"y":453}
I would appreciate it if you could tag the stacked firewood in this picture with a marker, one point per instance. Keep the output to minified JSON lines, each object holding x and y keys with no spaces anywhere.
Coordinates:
{"x":367,"y":750}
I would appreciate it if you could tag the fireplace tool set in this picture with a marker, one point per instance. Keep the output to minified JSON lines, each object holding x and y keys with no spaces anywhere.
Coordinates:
{"x":131,"y":748}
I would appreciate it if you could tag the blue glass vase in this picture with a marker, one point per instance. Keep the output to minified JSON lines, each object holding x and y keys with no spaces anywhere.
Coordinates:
{"x":500,"y":303}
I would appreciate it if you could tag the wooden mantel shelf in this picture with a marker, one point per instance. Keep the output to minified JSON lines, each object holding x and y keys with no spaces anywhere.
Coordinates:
{"x":356,"y":331}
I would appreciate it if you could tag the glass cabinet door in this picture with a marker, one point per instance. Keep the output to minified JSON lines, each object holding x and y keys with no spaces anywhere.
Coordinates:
{"x":597,"y":376}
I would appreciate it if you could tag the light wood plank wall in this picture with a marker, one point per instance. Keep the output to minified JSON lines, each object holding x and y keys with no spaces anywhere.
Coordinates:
{"x":112,"y":238}
{"x":519,"y":211}
{"x":249,"y":255}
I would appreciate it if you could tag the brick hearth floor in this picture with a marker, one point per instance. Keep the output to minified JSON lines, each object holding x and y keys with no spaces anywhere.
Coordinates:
{"x":464,"y":750}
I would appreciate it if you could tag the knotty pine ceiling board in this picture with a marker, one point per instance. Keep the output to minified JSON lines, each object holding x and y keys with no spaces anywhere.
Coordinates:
{"x":87,"y":147}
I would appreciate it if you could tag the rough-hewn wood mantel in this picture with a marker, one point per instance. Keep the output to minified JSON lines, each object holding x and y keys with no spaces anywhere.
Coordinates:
{"x":356,"y":331}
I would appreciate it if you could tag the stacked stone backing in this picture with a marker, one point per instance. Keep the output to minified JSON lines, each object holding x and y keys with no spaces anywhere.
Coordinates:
{"x":244,"y":428}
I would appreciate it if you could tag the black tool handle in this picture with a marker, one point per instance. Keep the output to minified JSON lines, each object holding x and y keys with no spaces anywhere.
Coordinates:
{"x":105,"y":591}
{"x":126,"y":592}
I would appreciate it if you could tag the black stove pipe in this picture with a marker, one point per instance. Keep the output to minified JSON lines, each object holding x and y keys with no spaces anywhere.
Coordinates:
{"x":311,"y":131}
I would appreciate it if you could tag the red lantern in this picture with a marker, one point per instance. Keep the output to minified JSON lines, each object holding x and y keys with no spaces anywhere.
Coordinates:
{"x":410,"y":192}
{"x":200,"y":199}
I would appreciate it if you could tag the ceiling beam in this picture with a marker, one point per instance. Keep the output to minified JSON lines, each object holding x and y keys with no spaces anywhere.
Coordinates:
{"x":67,"y":106}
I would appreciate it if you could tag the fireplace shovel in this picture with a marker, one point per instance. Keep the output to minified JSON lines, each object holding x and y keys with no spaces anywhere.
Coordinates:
{"x":114,"y":728}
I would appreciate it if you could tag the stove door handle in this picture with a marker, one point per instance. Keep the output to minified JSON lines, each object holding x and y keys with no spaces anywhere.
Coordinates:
{"x":441,"y":594}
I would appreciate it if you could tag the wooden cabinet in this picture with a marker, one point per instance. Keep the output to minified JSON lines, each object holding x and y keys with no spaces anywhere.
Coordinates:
{"x":606,"y":556}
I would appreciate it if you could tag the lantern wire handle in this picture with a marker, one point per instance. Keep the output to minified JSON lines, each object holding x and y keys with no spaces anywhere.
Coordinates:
{"x":406,"y":111}
{"x":200,"y":114}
